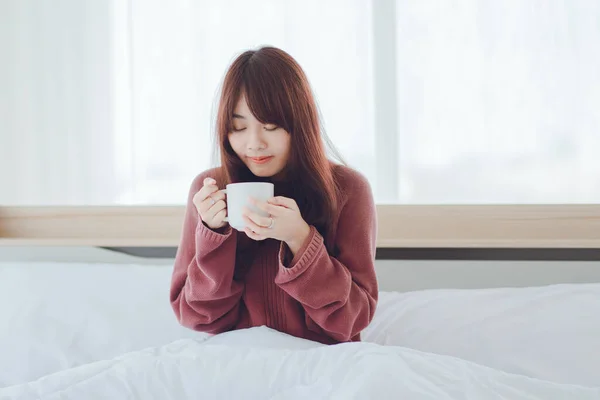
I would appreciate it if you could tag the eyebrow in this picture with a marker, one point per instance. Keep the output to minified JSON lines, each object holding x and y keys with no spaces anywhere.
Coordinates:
{"x":238,"y":116}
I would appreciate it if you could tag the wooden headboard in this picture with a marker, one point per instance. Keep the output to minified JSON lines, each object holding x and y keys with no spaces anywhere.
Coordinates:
{"x":399,"y":226}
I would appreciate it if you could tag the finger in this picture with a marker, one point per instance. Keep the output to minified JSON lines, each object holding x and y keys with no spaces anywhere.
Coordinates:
{"x":253,"y":235}
{"x":259,"y":230}
{"x":257,"y":219}
{"x":215,"y":209}
{"x":268,"y":208}
{"x":206,"y":205}
{"x":220,"y":216}
{"x":209,"y":185}
{"x":213,"y":198}
{"x":283,"y":201}
{"x":218,"y":195}
{"x":204,"y":202}
{"x":204,"y":192}
{"x":209,"y":181}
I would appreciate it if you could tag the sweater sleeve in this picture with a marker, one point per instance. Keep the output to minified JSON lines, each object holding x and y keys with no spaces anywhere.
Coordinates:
{"x":339,"y":294}
{"x":204,"y":294}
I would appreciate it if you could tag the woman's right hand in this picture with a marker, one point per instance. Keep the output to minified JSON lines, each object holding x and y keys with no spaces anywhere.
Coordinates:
{"x":211,"y":204}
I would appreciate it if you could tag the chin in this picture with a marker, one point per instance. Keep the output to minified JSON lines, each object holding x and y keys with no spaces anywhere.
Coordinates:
{"x":264,"y":172}
{"x":261,"y":172}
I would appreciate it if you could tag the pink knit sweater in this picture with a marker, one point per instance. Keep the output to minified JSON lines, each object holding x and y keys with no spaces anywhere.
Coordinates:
{"x":224,"y":280}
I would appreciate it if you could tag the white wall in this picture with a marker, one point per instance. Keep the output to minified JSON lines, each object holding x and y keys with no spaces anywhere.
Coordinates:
{"x":405,"y":275}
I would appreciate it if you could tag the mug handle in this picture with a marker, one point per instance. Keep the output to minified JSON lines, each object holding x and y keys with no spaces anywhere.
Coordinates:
{"x":225,"y":219}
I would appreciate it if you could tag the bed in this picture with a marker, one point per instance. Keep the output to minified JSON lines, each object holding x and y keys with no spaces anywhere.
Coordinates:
{"x":84,"y":326}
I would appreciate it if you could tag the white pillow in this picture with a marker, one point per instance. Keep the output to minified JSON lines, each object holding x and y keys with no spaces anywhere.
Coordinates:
{"x":550,"y":332}
{"x":60,"y":315}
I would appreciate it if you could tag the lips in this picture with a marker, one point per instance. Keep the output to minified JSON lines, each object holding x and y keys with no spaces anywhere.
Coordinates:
{"x":260,"y":160}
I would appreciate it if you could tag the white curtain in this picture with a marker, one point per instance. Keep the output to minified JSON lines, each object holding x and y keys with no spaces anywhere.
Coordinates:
{"x":498,"y":101}
{"x":111,"y":102}
{"x":177,"y":56}
{"x":56,"y":143}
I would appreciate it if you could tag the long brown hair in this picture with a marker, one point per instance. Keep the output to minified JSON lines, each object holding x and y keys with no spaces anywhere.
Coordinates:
{"x":278,"y":92}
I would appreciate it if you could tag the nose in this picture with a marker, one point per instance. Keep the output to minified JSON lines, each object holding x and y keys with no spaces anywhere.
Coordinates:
{"x":255,"y":140}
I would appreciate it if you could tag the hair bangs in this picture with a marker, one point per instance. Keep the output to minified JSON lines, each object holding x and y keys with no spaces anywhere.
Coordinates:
{"x":267,"y":99}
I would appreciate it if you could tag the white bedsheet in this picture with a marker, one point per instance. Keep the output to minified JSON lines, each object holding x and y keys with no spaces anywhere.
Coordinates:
{"x":189,"y":369}
{"x":57,"y":316}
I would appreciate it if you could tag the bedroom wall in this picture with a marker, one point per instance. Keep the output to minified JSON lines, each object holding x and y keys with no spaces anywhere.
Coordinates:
{"x":399,"y":275}
{"x":404,"y":275}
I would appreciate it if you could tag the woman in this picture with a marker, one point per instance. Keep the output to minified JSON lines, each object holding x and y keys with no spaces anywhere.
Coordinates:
{"x":308,"y":269}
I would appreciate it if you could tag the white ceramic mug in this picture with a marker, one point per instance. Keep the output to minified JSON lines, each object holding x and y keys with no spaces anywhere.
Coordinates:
{"x":238,"y":195}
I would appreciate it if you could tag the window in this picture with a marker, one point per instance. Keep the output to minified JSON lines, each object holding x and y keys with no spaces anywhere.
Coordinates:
{"x":177,"y":57}
{"x":497,"y":102}
{"x":436,"y":103}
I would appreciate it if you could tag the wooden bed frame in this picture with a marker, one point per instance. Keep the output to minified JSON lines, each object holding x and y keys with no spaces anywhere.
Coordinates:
{"x":400,"y":226}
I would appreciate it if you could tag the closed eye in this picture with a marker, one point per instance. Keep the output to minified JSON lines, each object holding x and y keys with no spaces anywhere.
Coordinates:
{"x":271,"y":128}
{"x":239,"y":129}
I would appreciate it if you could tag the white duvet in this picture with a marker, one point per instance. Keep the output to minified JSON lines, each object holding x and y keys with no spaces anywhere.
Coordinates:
{"x":259,"y":363}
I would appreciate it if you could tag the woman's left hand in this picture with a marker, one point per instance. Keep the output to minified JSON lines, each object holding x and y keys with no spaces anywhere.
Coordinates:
{"x":285,"y":222}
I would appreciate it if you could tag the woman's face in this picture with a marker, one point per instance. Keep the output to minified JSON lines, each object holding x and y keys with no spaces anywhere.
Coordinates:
{"x":264,"y":148}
